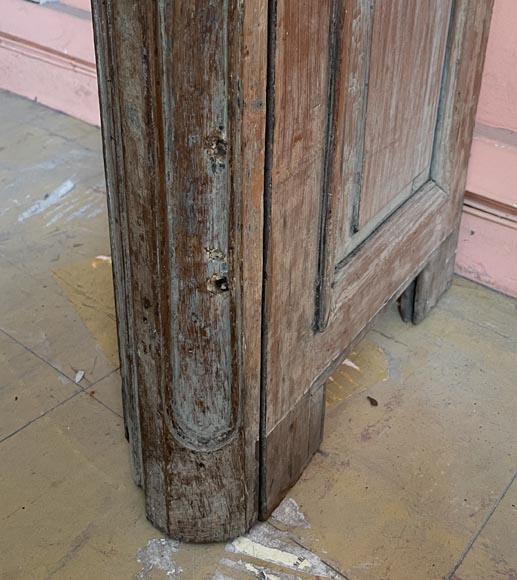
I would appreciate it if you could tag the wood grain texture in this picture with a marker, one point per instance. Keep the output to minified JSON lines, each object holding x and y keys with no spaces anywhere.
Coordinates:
{"x":118,"y":220}
{"x":300,"y":117}
{"x":349,"y":65}
{"x":424,"y":292}
{"x":406,"y":56}
{"x":300,"y":354}
{"x":406,"y":303}
{"x":394,"y":73}
{"x":183,"y":95}
{"x":388,"y":73}
{"x":290,"y":446}
{"x":452,"y":149}
{"x":435,"y":279}
{"x":182,"y":90}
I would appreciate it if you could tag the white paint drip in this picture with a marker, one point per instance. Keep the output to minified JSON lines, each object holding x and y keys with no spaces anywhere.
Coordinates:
{"x":289,"y":514}
{"x":274,"y":555}
{"x":48,"y":201}
{"x":349,"y":363}
{"x":158,"y":555}
{"x":258,"y":571}
{"x":266,"y":543}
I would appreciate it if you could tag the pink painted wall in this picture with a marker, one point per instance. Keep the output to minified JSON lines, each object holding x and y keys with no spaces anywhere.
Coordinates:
{"x":498,"y":99}
{"x":487,"y":250}
{"x":83,"y":4}
{"x":47,"y":54}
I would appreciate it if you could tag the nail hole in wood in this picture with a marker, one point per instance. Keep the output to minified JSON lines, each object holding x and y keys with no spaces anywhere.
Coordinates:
{"x":218,"y":284}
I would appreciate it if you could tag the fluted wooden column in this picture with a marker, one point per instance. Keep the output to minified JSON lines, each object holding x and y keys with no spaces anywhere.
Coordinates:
{"x":182,"y":88}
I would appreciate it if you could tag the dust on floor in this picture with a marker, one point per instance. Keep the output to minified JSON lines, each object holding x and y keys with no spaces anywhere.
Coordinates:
{"x":416,"y":475}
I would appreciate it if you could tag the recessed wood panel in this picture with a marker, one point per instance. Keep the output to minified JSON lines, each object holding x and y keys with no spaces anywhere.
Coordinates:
{"x":406,"y":56}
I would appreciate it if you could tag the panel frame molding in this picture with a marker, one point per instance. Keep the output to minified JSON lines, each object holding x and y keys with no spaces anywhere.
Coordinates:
{"x":331,"y":274}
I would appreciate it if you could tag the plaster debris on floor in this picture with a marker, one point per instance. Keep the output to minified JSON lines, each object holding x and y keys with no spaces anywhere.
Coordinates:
{"x":290,"y":514}
{"x":158,"y":555}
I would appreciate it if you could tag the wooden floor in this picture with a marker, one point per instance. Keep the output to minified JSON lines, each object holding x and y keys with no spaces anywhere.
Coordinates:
{"x":416,"y":476}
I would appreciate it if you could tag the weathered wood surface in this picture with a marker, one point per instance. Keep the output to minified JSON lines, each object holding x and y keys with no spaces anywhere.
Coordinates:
{"x":320,"y":299}
{"x":182,"y":88}
{"x":349,"y":63}
{"x":450,"y":162}
{"x":386,"y":69}
{"x":422,"y":295}
{"x":250,"y":250}
{"x":290,"y":446}
{"x":406,"y":55}
{"x":435,"y":279}
{"x":406,"y":302}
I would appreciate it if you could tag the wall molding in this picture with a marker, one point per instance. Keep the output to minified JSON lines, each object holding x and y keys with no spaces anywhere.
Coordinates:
{"x":47,"y":55}
{"x":490,"y":209}
{"x":60,"y":81}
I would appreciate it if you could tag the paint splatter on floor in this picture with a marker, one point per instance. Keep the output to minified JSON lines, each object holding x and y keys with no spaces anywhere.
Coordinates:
{"x":261,"y":572}
{"x":49,"y":200}
{"x":264,"y":542}
{"x":266,"y":553}
{"x":347,"y":362}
